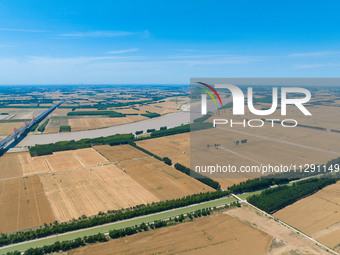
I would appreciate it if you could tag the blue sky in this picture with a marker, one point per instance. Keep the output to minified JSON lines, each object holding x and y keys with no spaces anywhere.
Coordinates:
{"x":166,"y":42}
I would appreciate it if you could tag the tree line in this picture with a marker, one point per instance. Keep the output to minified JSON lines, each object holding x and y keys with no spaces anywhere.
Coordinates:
{"x":201,"y":178}
{"x":151,"y":115}
{"x":274,"y":199}
{"x":111,"y":114}
{"x":43,"y":126}
{"x":46,"y":149}
{"x":180,"y":129}
{"x":281,"y":178}
{"x":109,"y":216}
{"x":119,"y":233}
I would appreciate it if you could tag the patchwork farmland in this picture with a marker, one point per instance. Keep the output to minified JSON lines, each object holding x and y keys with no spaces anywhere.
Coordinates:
{"x":73,"y":186}
{"x":163,"y":181}
{"x":87,"y":181}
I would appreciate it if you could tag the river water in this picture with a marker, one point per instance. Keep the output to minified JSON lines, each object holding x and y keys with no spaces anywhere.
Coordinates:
{"x":170,"y":120}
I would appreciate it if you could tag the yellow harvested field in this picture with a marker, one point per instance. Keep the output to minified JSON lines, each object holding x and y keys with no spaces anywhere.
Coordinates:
{"x":25,"y":202}
{"x":322,"y":116}
{"x":90,"y":190}
{"x":317,"y":215}
{"x":177,"y":148}
{"x":89,"y":157}
{"x":324,"y":140}
{"x":119,"y":152}
{"x":7,"y":128}
{"x":78,"y":124}
{"x":159,"y":109}
{"x":169,"y":106}
{"x":67,"y":160}
{"x":10,"y":165}
{"x":215,"y":234}
{"x":127,"y":110}
{"x":60,"y":112}
{"x":261,"y":148}
{"x":94,"y":123}
{"x":227,"y":182}
{"x":182,"y":158}
{"x":63,"y":160}
{"x":163,"y":181}
{"x":22,"y":164}
{"x":331,"y":239}
{"x":32,"y":165}
{"x":167,"y":144}
{"x":285,"y":241}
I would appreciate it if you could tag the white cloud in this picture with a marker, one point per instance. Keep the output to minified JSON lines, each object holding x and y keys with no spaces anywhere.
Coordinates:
{"x":116,"y":69}
{"x":98,"y":34}
{"x":310,"y":66}
{"x":23,"y":30}
{"x":122,"y":51}
{"x":314,"y":54}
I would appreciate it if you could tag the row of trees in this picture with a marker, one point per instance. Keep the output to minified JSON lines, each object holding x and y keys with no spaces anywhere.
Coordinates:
{"x":101,"y":105}
{"x":139,"y":132}
{"x":133,"y":144}
{"x":64,"y":245}
{"x":110,"y":216}
{"x":151,"y":115}
{"x":167,"y":161}
{"x":274,"y":199}
{"x":282,"y":178}
{"x":43,"y":126}
{"x":180,"y":129}
{"x":46,"y":149}
{"x":256,"y":184}
{"x":204,"y":179}
{"x":119,"y":233}
{"x":183,"y":169}
{"x":111,"y":114}
{"x":64,"y":129}
{"x":34,"y":127}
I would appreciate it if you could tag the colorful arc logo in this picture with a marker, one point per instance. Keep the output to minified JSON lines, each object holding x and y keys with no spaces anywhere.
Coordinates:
{"x":209,"y":93}
{"x":204,"y":97}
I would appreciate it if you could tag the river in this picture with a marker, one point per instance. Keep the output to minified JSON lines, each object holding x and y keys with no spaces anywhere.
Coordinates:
{"x":170,"y":120}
